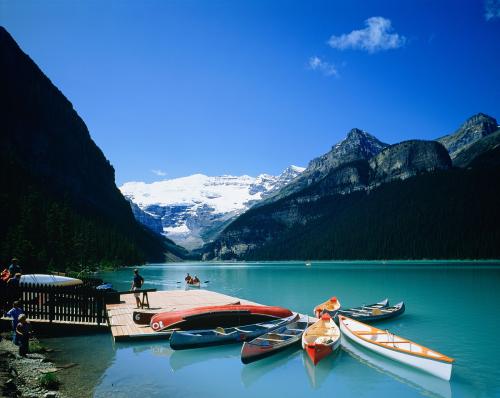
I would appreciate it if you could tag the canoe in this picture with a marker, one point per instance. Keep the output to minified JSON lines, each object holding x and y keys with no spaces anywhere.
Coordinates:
{"x":217,"y":315}
{"x":144,"y":317}
{"x":397,"y":348}
{"x":426,"y":384}
{"x":49,"y":280}
{"x":273,"y":342}
{"x":321,"y":338}
{"x":193,"y":285}
{"x":332,"y":305}
{"x":181,"y":340}
{"x":373,"y":314}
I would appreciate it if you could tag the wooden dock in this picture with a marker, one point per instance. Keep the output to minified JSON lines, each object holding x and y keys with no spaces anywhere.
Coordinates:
{"x":123,"y":327}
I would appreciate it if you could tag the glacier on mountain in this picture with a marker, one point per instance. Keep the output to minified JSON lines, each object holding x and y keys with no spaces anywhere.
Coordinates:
{"x":193,"y":209}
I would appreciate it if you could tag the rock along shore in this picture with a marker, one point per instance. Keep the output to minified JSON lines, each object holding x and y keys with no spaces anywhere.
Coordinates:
{"x":19,"y":377}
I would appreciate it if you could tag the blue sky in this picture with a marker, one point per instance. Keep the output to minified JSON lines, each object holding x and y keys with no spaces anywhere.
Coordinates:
{"x":246,"y":87}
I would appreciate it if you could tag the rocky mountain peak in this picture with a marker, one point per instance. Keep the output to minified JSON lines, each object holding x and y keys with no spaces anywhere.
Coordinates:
{"x":480,"y":121}
{"x":472,"y":130}
{"x":357,"y":145}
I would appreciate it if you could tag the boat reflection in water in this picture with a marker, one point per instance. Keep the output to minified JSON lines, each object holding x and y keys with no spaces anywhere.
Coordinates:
{"x":317,"y":374}
{"x":185,"y":358}
{"x":254,"y":371}
{"x":425,"y":383}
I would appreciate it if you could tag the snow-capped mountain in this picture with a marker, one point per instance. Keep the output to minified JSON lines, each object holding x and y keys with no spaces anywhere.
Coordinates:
{"x":192,"y":209}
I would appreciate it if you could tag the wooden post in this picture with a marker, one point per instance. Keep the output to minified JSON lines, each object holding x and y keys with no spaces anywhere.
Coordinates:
{"x":99,"y":309}
{"x":52,"y":301}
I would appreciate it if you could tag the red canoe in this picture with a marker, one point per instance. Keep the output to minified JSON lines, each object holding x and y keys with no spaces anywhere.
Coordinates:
{"x":216,"y":315}
{"x":321,"y":338}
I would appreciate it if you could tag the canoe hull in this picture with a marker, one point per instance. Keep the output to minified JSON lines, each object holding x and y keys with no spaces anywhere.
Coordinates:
{"x":215,"y":316}
{"x":251,"y":352}
{"x":49,"y":280}
{"x":321,"y":339}
{"x":434,"y":367}
{"x":181,"y":340}
{"x":193,"y":285}
{"x":330,"y":306}
{"x":374,"y":318}
{"x":142,"y":317}
{"x":317,"y":352}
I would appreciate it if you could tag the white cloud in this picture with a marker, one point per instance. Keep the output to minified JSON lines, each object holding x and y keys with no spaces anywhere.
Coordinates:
{"x":159,"y":172}
{"x":377,"y":36}
{"x":328,"y":69}
{"x":492,"y":9}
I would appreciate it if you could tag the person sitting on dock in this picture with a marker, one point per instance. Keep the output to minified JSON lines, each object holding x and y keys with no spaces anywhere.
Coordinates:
{"x":188,"y":278}
{"x":15,"y":313}
{"x":23,"y":330}
{"x":136,"y":285}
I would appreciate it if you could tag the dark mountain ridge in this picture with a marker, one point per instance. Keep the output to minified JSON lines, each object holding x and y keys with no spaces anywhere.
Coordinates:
{"x":358,"y":145}
{"x":370,"y":199}
{"x":60,"y":205}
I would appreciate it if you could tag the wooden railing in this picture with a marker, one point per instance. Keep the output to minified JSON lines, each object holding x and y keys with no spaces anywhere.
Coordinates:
{"x":81,"y":303}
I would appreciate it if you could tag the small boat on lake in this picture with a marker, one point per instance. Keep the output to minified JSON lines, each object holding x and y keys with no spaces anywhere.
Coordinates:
{"x":321,"y":338}
{"x":214,"y":316}
{"x":331,"y":305}
{"x":181,"y":340}
{"x":397,"y":348}
{"x":193,"y":285}
{"x":273,"y":342}
{"x":373,"y":313}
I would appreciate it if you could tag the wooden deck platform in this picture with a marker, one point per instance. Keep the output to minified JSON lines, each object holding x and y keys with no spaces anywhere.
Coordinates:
{"x":123,"y":327}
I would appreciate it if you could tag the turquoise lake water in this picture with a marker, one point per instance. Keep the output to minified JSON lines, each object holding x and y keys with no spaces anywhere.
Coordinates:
{"x":452,"y":307}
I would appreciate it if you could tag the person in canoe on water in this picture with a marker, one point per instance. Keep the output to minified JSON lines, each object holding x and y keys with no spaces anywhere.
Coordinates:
{"x":195,"y":280}
{"x":136,"y":285}
{"x":188,"y":278}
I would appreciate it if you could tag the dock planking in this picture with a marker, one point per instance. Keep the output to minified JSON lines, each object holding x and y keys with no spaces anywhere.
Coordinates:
{"x":123,"y":327}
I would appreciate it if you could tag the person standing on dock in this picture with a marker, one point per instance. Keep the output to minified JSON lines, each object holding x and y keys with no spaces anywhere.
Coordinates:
{"x":136,"y":285}
{"x":15,"y":312}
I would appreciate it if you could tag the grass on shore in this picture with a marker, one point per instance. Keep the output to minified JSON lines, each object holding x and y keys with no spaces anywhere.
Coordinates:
{"x":49,"y":381}
{"x":36,"y":347}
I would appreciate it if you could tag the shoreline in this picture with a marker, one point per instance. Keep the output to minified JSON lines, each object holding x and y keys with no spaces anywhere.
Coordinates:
{"x":21,"y":376}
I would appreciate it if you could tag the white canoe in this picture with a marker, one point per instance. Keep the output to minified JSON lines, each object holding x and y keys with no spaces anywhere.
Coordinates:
{"x":427,"y":385}
{"x":397,"y":348}
{"x":49,"y":280}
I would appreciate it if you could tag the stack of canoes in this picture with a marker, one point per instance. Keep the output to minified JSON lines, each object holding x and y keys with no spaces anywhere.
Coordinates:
{"x":266,"y":330}
{"x":181,"y":340}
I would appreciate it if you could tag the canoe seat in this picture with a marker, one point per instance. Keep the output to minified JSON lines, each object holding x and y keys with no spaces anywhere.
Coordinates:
{"x":267,"y":339}
{"x":221,"y":330}
{"x":243,"y":331}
